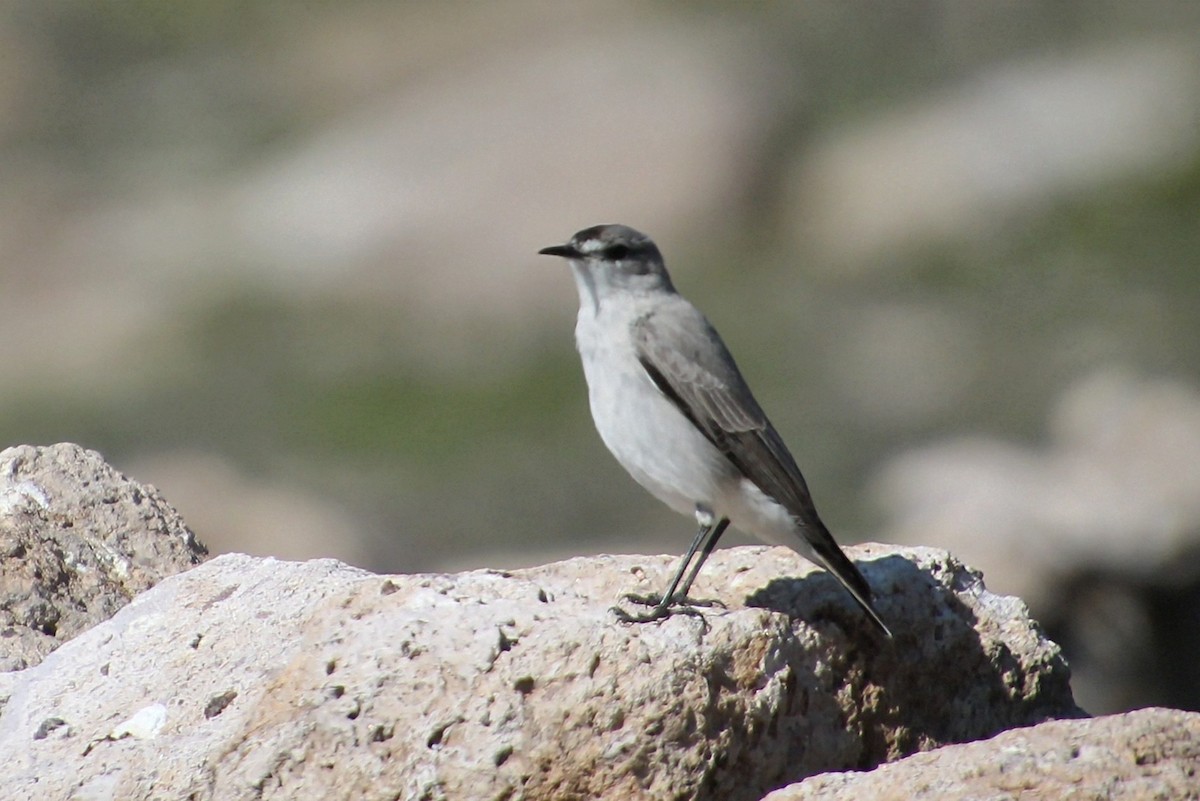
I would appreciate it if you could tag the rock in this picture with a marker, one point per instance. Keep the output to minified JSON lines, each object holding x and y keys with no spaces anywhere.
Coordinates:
{"x":365,"y":201}
{"x":931,"y":171}
{"x":1151,"y":753}
{"x":257,"y":516}
{"x":1096,"y":529}
{"x":1116,"y":487}
{"x":253,"y":678}
{"x":78,"y":540}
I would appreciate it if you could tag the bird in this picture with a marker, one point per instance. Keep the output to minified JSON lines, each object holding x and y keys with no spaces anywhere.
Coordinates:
{"x":671,"y":405}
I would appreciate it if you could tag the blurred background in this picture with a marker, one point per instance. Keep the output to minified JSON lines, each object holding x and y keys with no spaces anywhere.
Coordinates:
{"x":278,"y":259}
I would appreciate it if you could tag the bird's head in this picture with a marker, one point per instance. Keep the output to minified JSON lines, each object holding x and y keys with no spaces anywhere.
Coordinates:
{"x":611,"y":259}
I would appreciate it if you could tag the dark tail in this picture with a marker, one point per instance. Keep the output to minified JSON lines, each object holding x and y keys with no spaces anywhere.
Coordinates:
{"x":833,"y":559}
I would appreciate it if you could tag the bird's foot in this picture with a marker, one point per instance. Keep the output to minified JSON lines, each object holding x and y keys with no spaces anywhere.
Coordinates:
{"x":661,"y":611}
{"x":678,"y":601}
{"x":652,"y":599}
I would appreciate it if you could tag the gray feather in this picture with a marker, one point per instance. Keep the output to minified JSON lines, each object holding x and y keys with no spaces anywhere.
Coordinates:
{"x":698,"y":374}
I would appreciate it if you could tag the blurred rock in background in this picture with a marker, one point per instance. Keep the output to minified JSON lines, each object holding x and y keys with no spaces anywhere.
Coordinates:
{"x":279,"y":260}
{"x":1098,"y":529}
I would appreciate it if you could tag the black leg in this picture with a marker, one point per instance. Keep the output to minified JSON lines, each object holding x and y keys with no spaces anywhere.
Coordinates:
{"x":714,"y":534}
{"x":708,"y":535}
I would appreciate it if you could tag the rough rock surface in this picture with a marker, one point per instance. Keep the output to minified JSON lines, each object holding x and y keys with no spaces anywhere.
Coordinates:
{"x":1151,"y":753}
{"x":78,"y":541}
{"x":248,"y":678}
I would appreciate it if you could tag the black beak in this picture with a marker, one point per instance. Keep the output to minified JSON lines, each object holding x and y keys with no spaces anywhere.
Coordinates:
{"x":567,"y":251}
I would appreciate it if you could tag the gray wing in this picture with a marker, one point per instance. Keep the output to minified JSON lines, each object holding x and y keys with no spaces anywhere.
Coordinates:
{"x":685,"y":357}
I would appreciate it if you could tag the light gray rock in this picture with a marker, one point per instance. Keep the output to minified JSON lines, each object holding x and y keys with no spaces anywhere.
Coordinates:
{"x":78,"y":540}
{"x":251,"y":678}
{"x":1151,"y":753}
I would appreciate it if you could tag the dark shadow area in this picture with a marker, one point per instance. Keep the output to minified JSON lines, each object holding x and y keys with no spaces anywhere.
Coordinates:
{"x":935,"y":682}
{"x":1133,"y":635}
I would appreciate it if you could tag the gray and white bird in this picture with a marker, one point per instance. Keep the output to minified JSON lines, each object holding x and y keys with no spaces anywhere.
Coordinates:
{"x":670,"y":403}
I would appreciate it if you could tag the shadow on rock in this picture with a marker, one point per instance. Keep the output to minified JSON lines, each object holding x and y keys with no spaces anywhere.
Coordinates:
{"x":950,"y":673}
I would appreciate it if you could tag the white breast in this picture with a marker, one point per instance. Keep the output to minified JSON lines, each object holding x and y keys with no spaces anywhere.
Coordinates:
{"x":642,"y":428}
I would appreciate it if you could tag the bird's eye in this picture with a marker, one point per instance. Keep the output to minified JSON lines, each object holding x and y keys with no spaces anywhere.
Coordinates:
{"x":617,"y":252}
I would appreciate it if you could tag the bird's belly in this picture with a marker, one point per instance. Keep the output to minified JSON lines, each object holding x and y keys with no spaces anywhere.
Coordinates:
{"x":656,"y":443}
{"x":754,"y":512}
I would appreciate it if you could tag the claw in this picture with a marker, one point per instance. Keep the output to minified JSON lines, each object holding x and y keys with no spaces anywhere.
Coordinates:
{"x":677,"y":601}
{"x":658,"y":613}
{"x":707,"y":603}
{"x":661,"y":611}
{"x":643,"y":600}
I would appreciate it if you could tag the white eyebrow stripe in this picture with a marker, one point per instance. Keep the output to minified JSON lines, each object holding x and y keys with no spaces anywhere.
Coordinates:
{"x":590,"y":246}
